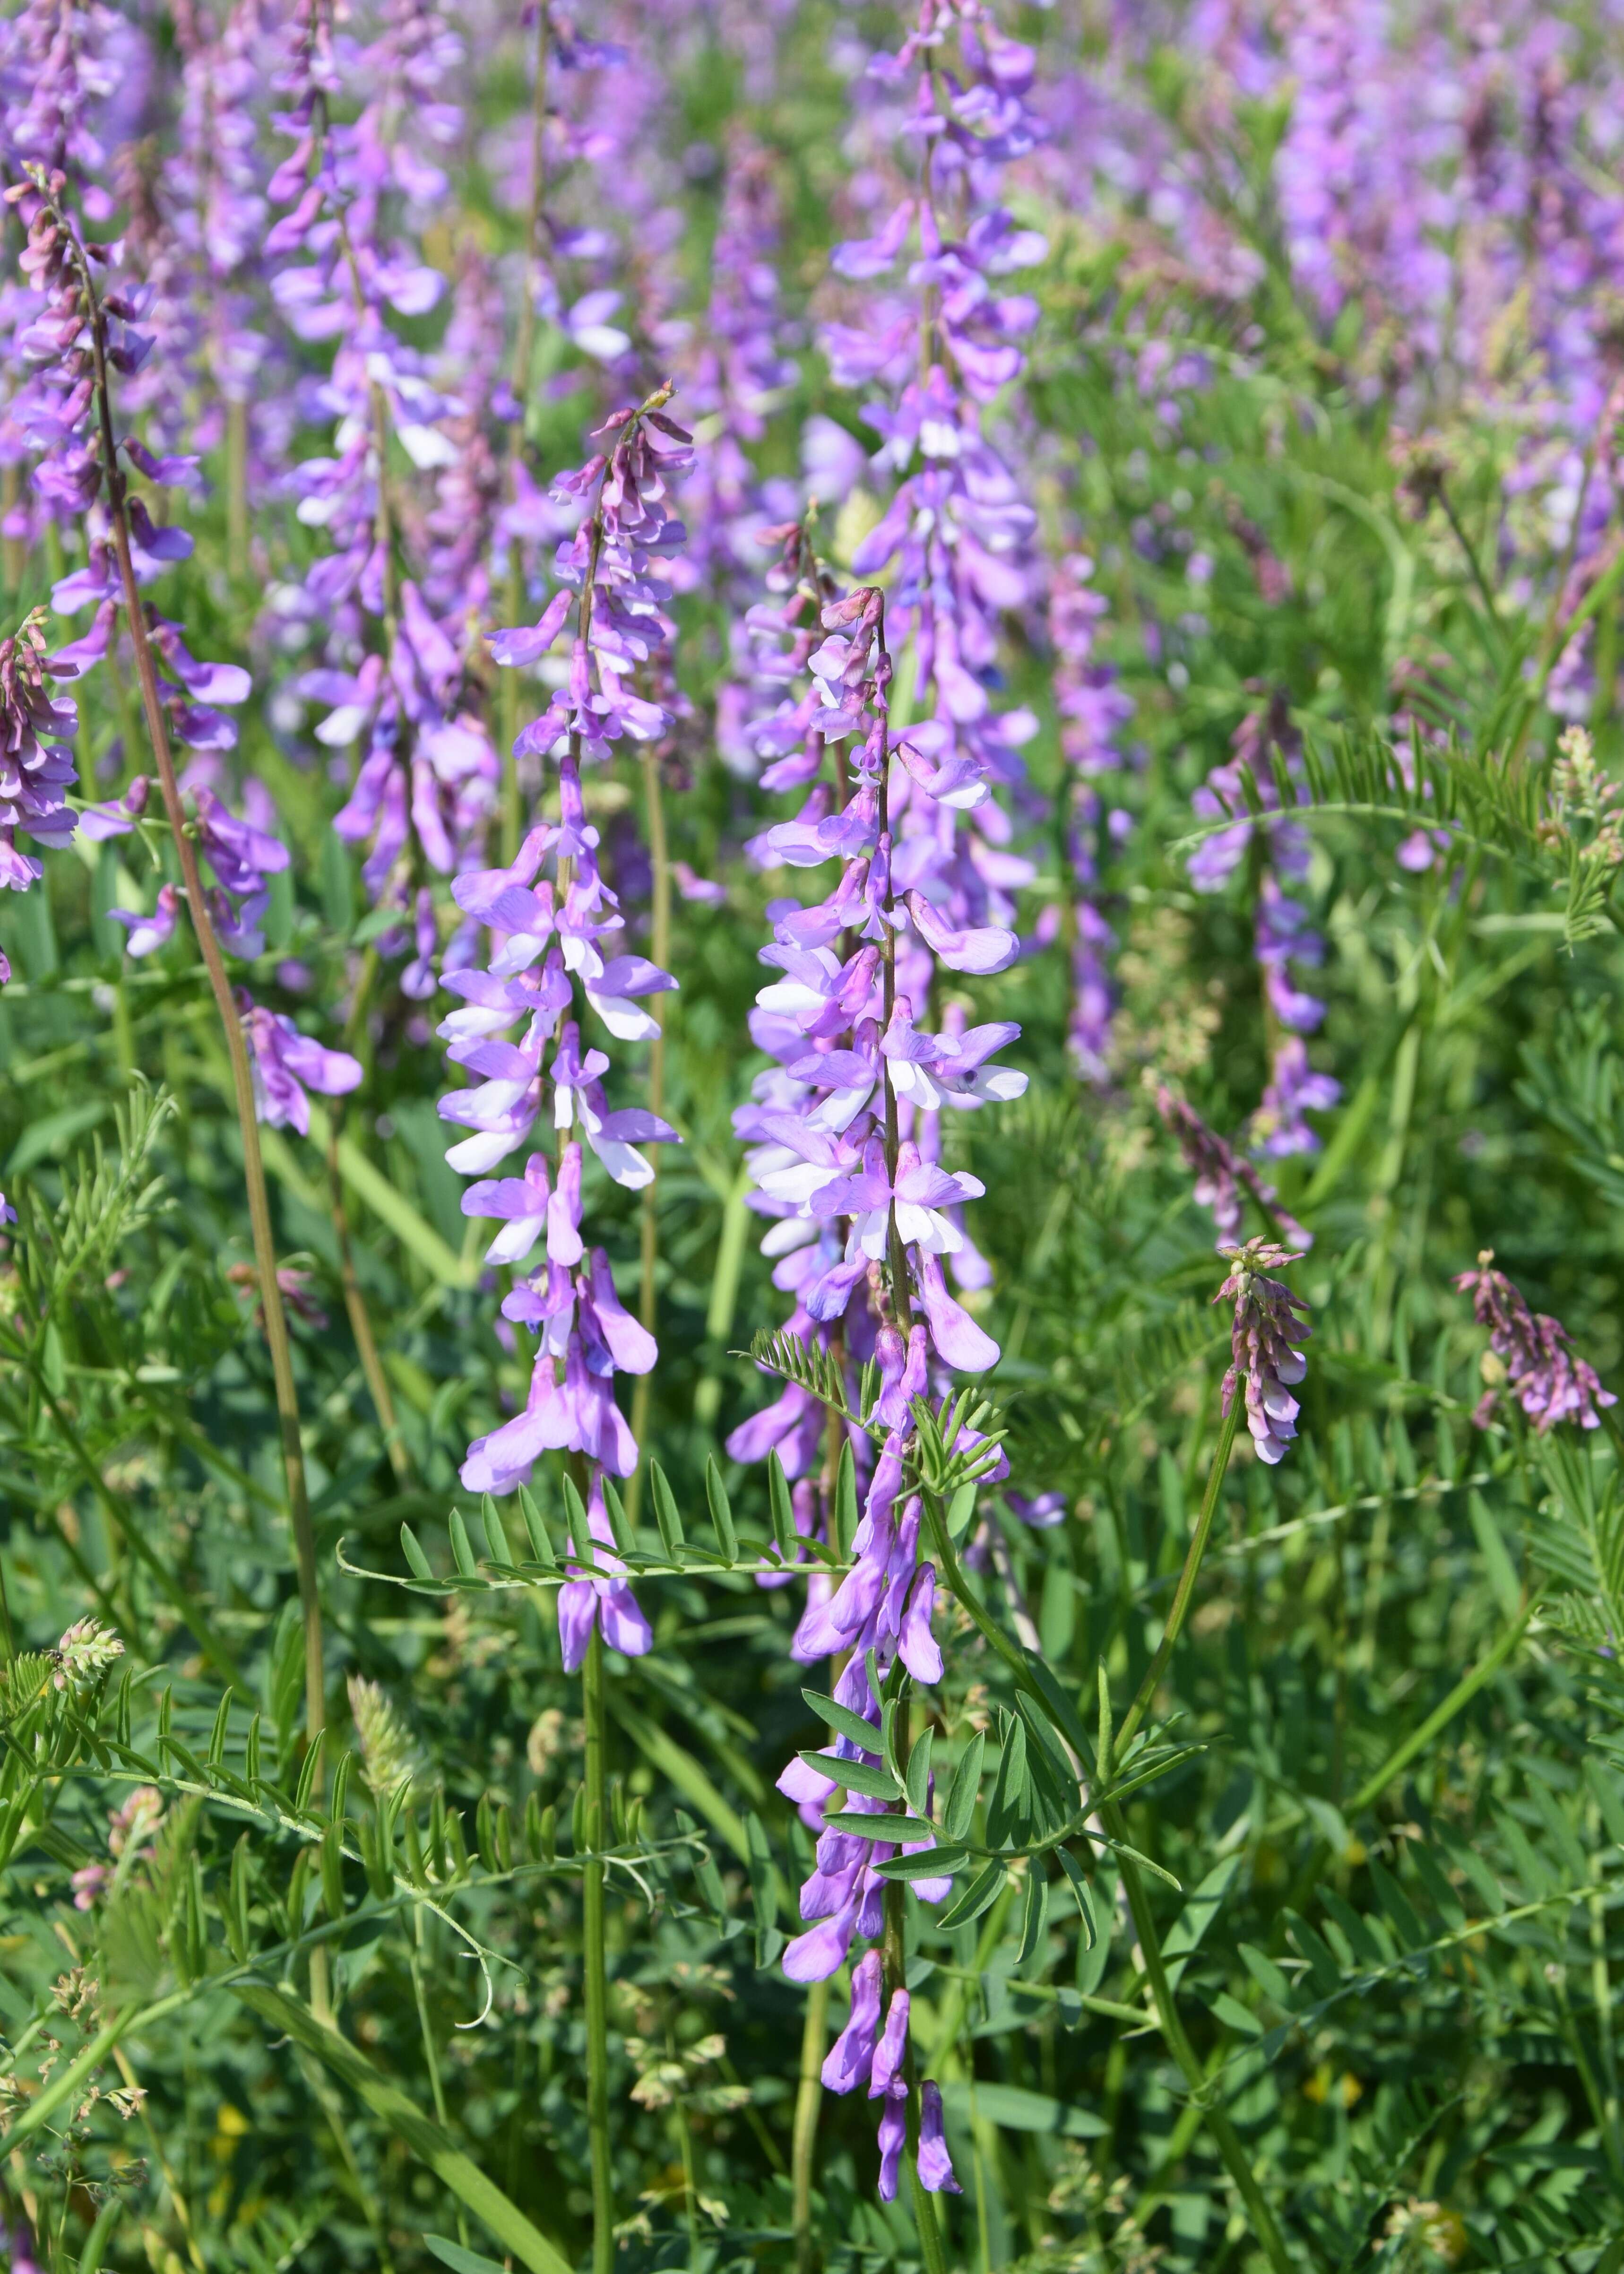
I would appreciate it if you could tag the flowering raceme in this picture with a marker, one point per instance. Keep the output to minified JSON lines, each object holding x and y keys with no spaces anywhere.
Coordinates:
{"x":549,"y":936}
{"x":77,"y":332}
{"x":845,"y":1130}
{"x":1549,"y":1382}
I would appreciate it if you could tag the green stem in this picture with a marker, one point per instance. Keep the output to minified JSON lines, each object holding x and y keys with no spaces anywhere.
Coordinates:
{"x":1157,"y":1667}
{"x":430,"y":2055}
{"x":594,"y":1960}
{"x":1225,"y":2137}
{"x":1464,"y":1690}
{"x":1476,"y":566}
{"x":803,"y":2139}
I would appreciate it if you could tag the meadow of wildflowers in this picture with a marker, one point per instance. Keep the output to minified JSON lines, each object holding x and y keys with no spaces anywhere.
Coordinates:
{"x":811,"y":1135}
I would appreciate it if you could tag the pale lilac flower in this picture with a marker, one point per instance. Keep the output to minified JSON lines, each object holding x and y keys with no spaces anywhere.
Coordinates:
{"x":850,"y":2059}
{"x":893,"y":2137}
{"x":1550,"y":1382}
{"x":1278,"y":1127}
{"x":285,"y":1064}
{"x":602,"y":1596}
{"x":147,"y":933}
{"x":1263,"y":1340}
{"x":935,"y":2168}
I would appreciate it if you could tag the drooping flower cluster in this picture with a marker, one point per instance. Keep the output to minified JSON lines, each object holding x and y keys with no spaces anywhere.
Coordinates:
{"x":1224,"y":1179}
{"x":1263,"y":1344}
{"x":1540,"y":1367}
{"x":549,"y":939}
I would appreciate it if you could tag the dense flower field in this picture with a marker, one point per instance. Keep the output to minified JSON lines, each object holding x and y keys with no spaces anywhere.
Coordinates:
{"x":812,"y":1127}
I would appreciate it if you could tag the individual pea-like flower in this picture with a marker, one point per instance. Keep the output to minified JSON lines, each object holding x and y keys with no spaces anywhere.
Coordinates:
{"x":1550,"y":1381}
{"x":935,"y":2165}
{"x":1263,"y":1342}
{"x":147,"y":933}
{"x":285,"y":1064}
{"x":1278,"y":1126}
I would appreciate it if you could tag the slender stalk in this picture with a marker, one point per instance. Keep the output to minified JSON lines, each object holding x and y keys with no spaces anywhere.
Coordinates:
{"x":430,"y":2052}
{"x":659,"y":950}
{"x":893,"y":1960}
{"x":182,"y":2210}
{"x":803,"y":2139}
{"x":355,"y":1297}
{"x":1225,"y":2137}
{"x":1484,"y":591}
{"x":691,"y":2189}
{"x":1157,"y":1667}
{"x":242,"y":1079}
{"x":594,"y":1961}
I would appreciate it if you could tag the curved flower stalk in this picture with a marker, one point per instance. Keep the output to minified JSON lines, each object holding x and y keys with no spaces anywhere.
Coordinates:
{"x":548,"y":970}
{"x":1534,"y":1353}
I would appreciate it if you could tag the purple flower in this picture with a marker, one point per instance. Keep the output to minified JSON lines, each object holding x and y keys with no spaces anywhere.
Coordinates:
{"x":1263,"y":1342}
{"x":36,"y":760}
{"x":935,"y":2169}
{"x":557,"y":954}
{"x":885,"y":2072}
{"x":605,"y":1597}
{"x":1277,"y":1127}
{"x":893,"y":2139}
{"x":1550,"y":1382}
{"x":1223,"y":1176}
{"x":285,"y":1064}
{"x":850,"y":2059}
{"x":156,"y":931}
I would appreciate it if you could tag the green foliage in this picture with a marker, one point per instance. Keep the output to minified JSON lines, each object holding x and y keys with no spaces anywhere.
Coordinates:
{"x":1374,"y":1815}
